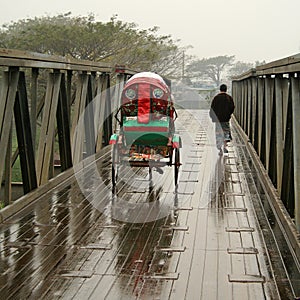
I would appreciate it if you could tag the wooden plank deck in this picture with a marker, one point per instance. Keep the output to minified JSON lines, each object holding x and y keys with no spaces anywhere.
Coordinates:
{"x":203,"y":240}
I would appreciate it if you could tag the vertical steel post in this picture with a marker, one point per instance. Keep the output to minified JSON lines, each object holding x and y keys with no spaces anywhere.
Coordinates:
{"x":120,"y":82}
{"x":260,"y":108}
{"x":63,"y":127}
{"x":77,"y":132}
{"x":90,"y":145}
{"x":108,"y":111}
{"x":295,"y":84}
{"x":8,"y":172}
{"x":48,"y":128}
{"x":253,"y":109}
{"x":268,"y":116}
{"x":24,"y":136}
{"x":249,"y":108}
{"x":7,"y":100}
{"x":287,"y":185}
{"x":280,"y":84}
{"x":33,"y":103}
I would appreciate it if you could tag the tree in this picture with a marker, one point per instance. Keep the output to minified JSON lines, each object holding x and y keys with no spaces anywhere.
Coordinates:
{"x":210,"y":68}
{"x":239,"y":68}
{"x":115,"y":42}
{"x":259,"y":63}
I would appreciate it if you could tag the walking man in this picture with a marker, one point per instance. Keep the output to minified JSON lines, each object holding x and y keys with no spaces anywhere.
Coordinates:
{"x":222,"y":107}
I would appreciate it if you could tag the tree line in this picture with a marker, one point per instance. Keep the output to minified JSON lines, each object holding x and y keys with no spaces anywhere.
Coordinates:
{"x":115,"y":42}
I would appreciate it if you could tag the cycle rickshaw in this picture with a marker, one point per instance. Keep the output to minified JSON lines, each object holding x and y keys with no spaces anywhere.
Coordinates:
{"x":146,"y":135}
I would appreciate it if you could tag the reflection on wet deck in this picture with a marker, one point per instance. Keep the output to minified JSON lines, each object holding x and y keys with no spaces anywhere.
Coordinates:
{"x":148,"y":240}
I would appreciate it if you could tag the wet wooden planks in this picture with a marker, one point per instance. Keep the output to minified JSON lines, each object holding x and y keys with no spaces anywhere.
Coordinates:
{"x":221,"y":261}
{"x":208,"y":246}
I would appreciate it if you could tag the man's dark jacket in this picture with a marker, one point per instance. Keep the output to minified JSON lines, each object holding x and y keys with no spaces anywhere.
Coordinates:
{"x":222,"y":107}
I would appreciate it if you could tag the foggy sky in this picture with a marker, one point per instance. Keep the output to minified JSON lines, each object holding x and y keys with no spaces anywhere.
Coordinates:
{"x":253,"y":30}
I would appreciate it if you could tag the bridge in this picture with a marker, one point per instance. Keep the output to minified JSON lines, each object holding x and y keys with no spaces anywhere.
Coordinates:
{"x":228,"y":230}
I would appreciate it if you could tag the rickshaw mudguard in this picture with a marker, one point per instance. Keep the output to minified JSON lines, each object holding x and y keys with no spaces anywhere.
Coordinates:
{"x":113,"y":139}
{"x":176,"y":141}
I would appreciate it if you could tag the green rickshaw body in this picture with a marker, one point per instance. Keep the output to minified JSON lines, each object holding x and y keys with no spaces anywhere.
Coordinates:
{"x":155,"y":132}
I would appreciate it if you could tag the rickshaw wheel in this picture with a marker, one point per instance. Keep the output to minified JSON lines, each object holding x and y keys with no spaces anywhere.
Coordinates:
{"x":176,"y":165}
{"x":114,"y":164}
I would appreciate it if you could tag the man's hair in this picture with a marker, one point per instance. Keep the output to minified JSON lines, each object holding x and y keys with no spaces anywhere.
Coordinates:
{"x":223,"y":88}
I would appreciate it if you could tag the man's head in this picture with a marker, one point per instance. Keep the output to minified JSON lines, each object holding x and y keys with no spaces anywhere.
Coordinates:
{"x":223,"y":88}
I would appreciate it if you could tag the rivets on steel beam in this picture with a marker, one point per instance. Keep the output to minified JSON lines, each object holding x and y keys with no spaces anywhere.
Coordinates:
{"x":246,"y":278}
{"x":239,"y":229}
{"x":189,"y":180}
{"x":171,"y":249}
{"x":177,"y":228}
{"x":163,"y":276}
{"x":236,"y":209}
{"x":184,"y":208}
{"x":185,"y":193}
{"x":249,"y":250}
{"x":97,"y":246}
{"x":81,"y":274}
{"x":234,"y":194}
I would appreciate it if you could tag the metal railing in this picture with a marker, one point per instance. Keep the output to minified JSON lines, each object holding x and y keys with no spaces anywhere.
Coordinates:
{"x":268,"y":109}
{"x":42,"y":100}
